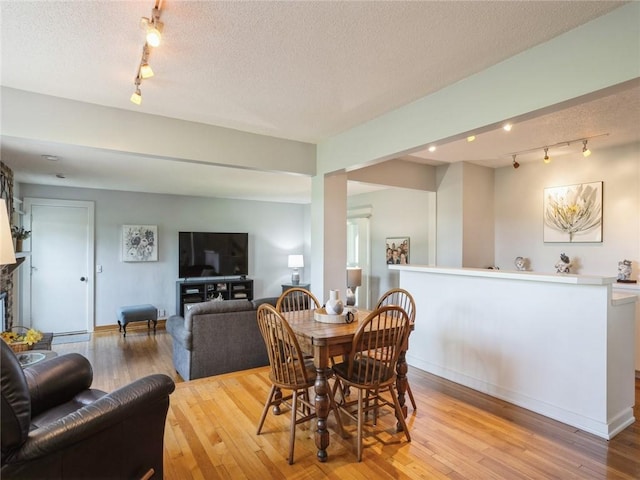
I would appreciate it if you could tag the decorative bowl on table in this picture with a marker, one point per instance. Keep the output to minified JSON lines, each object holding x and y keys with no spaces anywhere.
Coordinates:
{"x":321,"y":315}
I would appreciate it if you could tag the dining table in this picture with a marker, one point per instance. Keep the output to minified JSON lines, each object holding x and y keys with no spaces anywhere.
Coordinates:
{"x":325,"y":341}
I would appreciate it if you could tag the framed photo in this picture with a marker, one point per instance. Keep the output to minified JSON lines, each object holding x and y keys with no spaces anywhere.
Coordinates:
{"x":140,"y":243}
{"x":397,"y":251}
{"x":573,"y":213}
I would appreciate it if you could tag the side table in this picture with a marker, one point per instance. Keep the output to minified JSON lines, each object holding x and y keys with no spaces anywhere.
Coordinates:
{"x":31,"y":357}
{"x":287,"y":286}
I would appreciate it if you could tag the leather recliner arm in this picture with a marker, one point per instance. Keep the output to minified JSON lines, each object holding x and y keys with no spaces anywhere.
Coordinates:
{"x":57,"y":381}
{"x":106,"y":412}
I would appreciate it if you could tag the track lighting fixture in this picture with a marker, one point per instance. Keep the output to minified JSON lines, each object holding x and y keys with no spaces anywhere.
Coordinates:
{"x":507,"y":127}
{"x":547,"y":159}
{"x":432,"y":148}
{"x":153,"y":27}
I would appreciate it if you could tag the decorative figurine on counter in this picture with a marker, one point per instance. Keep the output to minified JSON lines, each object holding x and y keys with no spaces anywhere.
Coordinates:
{"x":521,"y":263}
{"x":563,"y":265}
{"x":624,"y":272}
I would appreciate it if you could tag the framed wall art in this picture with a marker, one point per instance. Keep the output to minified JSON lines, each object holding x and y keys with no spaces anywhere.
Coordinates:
{"x":573,"y":213}
{"x":397,"y":250}
{"x":140,"y":243}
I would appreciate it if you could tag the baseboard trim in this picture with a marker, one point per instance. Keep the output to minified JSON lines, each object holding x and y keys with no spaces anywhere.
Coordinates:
{"x":131,"y":326}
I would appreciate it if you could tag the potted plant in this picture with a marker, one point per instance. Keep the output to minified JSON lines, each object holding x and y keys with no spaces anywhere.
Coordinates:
{"x":19,"y":233}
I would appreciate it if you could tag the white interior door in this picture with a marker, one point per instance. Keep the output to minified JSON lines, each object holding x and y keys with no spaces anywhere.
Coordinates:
{"x":59,"y":287}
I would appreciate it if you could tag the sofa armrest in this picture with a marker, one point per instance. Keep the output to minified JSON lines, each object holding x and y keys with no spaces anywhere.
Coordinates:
{"x":57,"y":381}
{"x":177,"y":329}
{"x":105,"y":413}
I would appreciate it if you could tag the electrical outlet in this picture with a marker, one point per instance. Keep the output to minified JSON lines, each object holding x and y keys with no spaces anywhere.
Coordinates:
{"x":161,"y":312}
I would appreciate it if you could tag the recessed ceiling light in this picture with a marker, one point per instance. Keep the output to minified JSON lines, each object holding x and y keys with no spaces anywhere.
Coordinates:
{"x":471,"y":138}
{"x":432,"y":148}
{"x":507,"y":127}
{"x":51,"y":158}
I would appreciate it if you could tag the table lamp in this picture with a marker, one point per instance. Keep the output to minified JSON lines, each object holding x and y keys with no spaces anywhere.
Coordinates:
{"x":296,"y":262}
{"x":354,"y":280}
{"x":7,"y":256}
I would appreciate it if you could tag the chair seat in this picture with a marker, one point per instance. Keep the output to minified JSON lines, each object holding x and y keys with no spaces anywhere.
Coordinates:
{"x":299,"y":381}
{"x":357,"y":380}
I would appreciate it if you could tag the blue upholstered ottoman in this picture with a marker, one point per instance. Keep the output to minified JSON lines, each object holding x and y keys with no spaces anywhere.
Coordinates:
{"x":137,"y":313}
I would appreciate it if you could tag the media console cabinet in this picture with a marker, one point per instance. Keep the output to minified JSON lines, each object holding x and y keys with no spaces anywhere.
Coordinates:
{"x":201,"y":290}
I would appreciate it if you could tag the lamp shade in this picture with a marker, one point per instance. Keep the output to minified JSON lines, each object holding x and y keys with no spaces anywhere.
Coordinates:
{"x":7,"y":255}
{"x":354,"y":276}
{"x":296,"y":261}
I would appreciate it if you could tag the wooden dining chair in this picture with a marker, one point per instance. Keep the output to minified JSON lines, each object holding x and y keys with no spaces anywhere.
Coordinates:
{"x":289,"y":371}
{"x":297,"y":298}
{"x":403,"y":299}
{"x":384,"y":330}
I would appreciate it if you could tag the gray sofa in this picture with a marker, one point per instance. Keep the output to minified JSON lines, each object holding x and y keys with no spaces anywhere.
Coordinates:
{"x":218,"y":337}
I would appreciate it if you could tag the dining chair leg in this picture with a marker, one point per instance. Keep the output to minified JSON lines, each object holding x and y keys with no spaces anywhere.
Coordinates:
{"x":266,"y":408}
{"x":336,"y":412}
{"x":292,"y":433}
{"x":399,"y":414}
{"x":360,"y":422}
{"x":413,"y":401}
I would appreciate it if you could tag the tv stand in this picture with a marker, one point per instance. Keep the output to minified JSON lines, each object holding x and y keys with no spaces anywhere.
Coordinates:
{"x":194,"y":290}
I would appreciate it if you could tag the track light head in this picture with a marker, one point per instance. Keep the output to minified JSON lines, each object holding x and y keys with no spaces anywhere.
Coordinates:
{"x":585,"y":151}
{"x":136,"y":96}
{"x":546,"y":159}
{"x":146,"y":71}
{"x":515,"y":164}
{"x":153,"y":26}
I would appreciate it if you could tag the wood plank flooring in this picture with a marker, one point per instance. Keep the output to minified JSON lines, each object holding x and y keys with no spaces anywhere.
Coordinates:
{"x":457,"y":433}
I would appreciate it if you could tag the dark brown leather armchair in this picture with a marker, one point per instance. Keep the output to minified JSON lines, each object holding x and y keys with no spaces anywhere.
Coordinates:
{"x":55,"y":426}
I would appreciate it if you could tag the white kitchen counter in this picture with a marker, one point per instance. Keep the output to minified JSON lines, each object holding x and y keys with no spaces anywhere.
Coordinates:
{"x":559,"y":345}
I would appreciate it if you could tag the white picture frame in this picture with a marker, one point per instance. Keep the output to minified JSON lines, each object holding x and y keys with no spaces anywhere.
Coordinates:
{"x":139,"y":243}
{"x":573,"y":213}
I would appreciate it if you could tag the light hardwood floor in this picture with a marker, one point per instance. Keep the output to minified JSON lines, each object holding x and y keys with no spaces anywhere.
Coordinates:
{"x":457,"y":433}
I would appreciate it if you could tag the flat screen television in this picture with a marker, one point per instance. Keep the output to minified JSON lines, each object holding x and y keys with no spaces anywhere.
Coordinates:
{"x":210,"y":254}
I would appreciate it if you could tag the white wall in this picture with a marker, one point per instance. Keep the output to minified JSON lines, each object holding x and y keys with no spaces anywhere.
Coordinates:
{"x":275,"y":230}
{"x":519,"y":219}
{"x":396,"y":212}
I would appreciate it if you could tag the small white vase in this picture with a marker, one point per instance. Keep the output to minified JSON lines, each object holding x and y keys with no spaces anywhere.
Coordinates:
{"x":334,"y":305}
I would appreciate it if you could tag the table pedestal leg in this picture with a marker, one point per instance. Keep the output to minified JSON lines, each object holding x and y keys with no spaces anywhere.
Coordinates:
{"x":322,"y":412}
{"x":401,"y":385}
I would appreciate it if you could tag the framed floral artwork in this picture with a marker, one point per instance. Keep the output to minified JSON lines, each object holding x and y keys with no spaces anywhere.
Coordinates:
{"x":140,"y":243}
{"x":397,"y":250}
{"x":573,"y":213}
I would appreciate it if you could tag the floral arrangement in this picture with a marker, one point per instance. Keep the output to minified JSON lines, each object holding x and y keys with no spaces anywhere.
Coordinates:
{"x":30,"y":337}
{"x":20,"y":233}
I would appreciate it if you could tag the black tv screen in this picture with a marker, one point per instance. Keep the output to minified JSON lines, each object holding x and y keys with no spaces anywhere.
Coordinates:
{"x":208,"y":254}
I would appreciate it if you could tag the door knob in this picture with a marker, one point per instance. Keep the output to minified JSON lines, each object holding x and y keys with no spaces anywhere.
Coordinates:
{"x":83,"y":279}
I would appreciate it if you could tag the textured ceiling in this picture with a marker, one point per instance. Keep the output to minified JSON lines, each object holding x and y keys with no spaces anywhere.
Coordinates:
{"x":301,"y":70}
